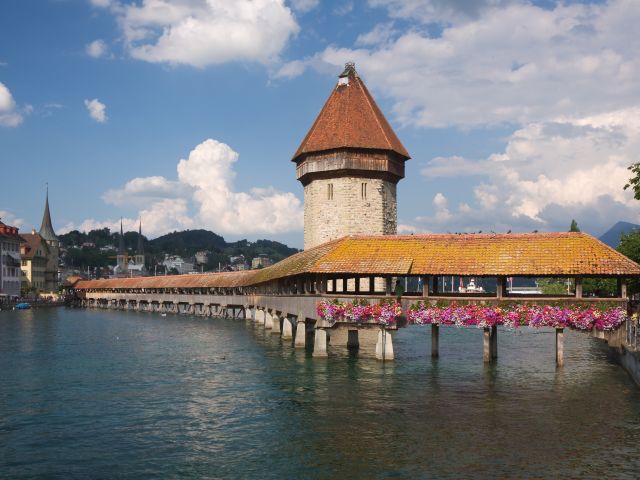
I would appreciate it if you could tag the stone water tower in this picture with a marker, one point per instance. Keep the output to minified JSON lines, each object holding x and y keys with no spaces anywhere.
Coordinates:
{"x":349,"y":164}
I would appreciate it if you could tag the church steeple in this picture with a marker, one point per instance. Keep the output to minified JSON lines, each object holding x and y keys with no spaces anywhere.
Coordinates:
{"x":140,"y":250}
{"x":46,"y":228}
{"x":140,"y":243}
{"x":121,"y":249}
{"x":123,"y":257}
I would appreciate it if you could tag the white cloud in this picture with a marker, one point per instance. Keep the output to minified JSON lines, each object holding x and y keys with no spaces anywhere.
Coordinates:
{"x":101,"y":3}
{"x":516,"y":65}
{"x":203,"y":196}
{"x":548,"y":173}
{"x":97,"y":110}
{"x":434,"y":11}
{"x":206,"y":32}
{"x":454,"y":165}
{"x":304,"y":6}
{"x":291,"y":69}
{"x":143,"y":190}
{"x":10,"y":116}
{"x":381,"y":34}
{"x":343,"y":8}
{"x":9,"y":218}
{"x":96,"y":49}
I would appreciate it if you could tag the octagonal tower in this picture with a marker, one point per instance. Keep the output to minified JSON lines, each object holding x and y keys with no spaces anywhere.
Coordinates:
{"x":349,"y":164}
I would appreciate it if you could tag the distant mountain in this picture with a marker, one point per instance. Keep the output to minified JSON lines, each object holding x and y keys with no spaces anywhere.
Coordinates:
{"x":612,"y":236}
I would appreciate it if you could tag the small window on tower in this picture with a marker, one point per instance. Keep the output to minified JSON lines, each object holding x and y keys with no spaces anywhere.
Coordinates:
{"x":330,"y":191}
{"x":363,"y":191}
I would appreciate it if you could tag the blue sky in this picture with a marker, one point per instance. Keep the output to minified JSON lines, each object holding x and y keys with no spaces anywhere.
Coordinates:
{"x":518,"y":115}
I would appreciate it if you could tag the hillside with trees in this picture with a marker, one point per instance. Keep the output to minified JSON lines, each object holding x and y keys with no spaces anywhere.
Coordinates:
{"x":99,"y":248}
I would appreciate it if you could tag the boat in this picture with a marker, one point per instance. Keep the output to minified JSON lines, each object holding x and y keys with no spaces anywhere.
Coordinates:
{"x":471,"y":287}
{"x":23,"y":306}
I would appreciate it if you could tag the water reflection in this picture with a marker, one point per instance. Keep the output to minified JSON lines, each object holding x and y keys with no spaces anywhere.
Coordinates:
{"x":119,"y":394}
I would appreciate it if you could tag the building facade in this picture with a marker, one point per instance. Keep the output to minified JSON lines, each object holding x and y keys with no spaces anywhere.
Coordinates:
{"x":40,"y":254}
{"x":349,"y":164}
{"x":260,"y":261}
{"x":10,"y":272}
{"x":35,"y":253}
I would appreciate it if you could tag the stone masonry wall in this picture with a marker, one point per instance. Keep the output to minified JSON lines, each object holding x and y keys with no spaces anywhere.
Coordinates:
{"x":348,"y":213}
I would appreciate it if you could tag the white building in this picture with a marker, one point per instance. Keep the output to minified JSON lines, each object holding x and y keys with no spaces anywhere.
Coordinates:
{"x":174,"y":261}
{"x":10,"y":272}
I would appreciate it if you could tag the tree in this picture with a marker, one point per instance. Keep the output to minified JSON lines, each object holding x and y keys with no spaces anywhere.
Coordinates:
{"x":634,"y":181}
{"x":555,"y":286}
{"x":630,"y":246}
{"x":574,"y":226}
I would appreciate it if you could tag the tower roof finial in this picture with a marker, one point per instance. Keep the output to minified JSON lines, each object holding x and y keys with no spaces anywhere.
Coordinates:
{"x":349,"y":70}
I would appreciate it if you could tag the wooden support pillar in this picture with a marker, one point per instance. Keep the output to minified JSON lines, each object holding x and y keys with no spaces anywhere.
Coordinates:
{"x":486,"y":344}
{"x":622,"y":288}
{"x":387,"y":286}
{"x":559,"y":347}
{"x":578,"y":287}
{"x":501,"y":287}
{"x":435,"y":340}
{"x":425,"y":286}
{"x":372,"y":284}
{"x":357,"y":284}
{"x":494,"y":342}
{"x":435,"y":286}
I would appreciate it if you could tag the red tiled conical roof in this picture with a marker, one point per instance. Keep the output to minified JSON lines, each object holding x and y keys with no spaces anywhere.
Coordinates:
{"x":351,"y":119}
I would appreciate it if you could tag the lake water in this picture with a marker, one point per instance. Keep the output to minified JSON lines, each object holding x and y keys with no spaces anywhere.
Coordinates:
{"x":99,"y":394}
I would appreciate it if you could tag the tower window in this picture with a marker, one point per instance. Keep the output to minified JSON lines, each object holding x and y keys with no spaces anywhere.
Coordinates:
{"x":363,"y":191}
{"x":330,"y":191}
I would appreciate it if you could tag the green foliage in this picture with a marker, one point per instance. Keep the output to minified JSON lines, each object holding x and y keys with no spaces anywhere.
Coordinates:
{"x":188,"y":242}
{"x":634,"y":181}
{"x":554,"y":286}
{"x":630,"y":246}
{"x":599,"y":287}
{"x":399,"y":289}
{"x":574,"y":226}
{"x":184,"y":244}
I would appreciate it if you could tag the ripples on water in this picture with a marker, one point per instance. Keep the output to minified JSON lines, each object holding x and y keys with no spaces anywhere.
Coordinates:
{"x":93,"y":394}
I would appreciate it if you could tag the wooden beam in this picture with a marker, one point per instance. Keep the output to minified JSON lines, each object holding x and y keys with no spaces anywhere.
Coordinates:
{"x":578,"y":287}
{"x":622,"y":288}
{"x":501,"y":287}
{"x":425,"y":285}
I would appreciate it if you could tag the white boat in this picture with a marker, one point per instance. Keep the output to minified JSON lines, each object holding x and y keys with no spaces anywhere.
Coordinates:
{"x":471,"y":287}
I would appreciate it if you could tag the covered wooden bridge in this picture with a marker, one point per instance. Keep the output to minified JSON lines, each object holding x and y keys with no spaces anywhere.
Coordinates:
{"x":412,"y":268}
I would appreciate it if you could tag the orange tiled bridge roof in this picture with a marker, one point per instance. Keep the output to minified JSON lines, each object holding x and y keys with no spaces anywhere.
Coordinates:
{"x":533,"y":254}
